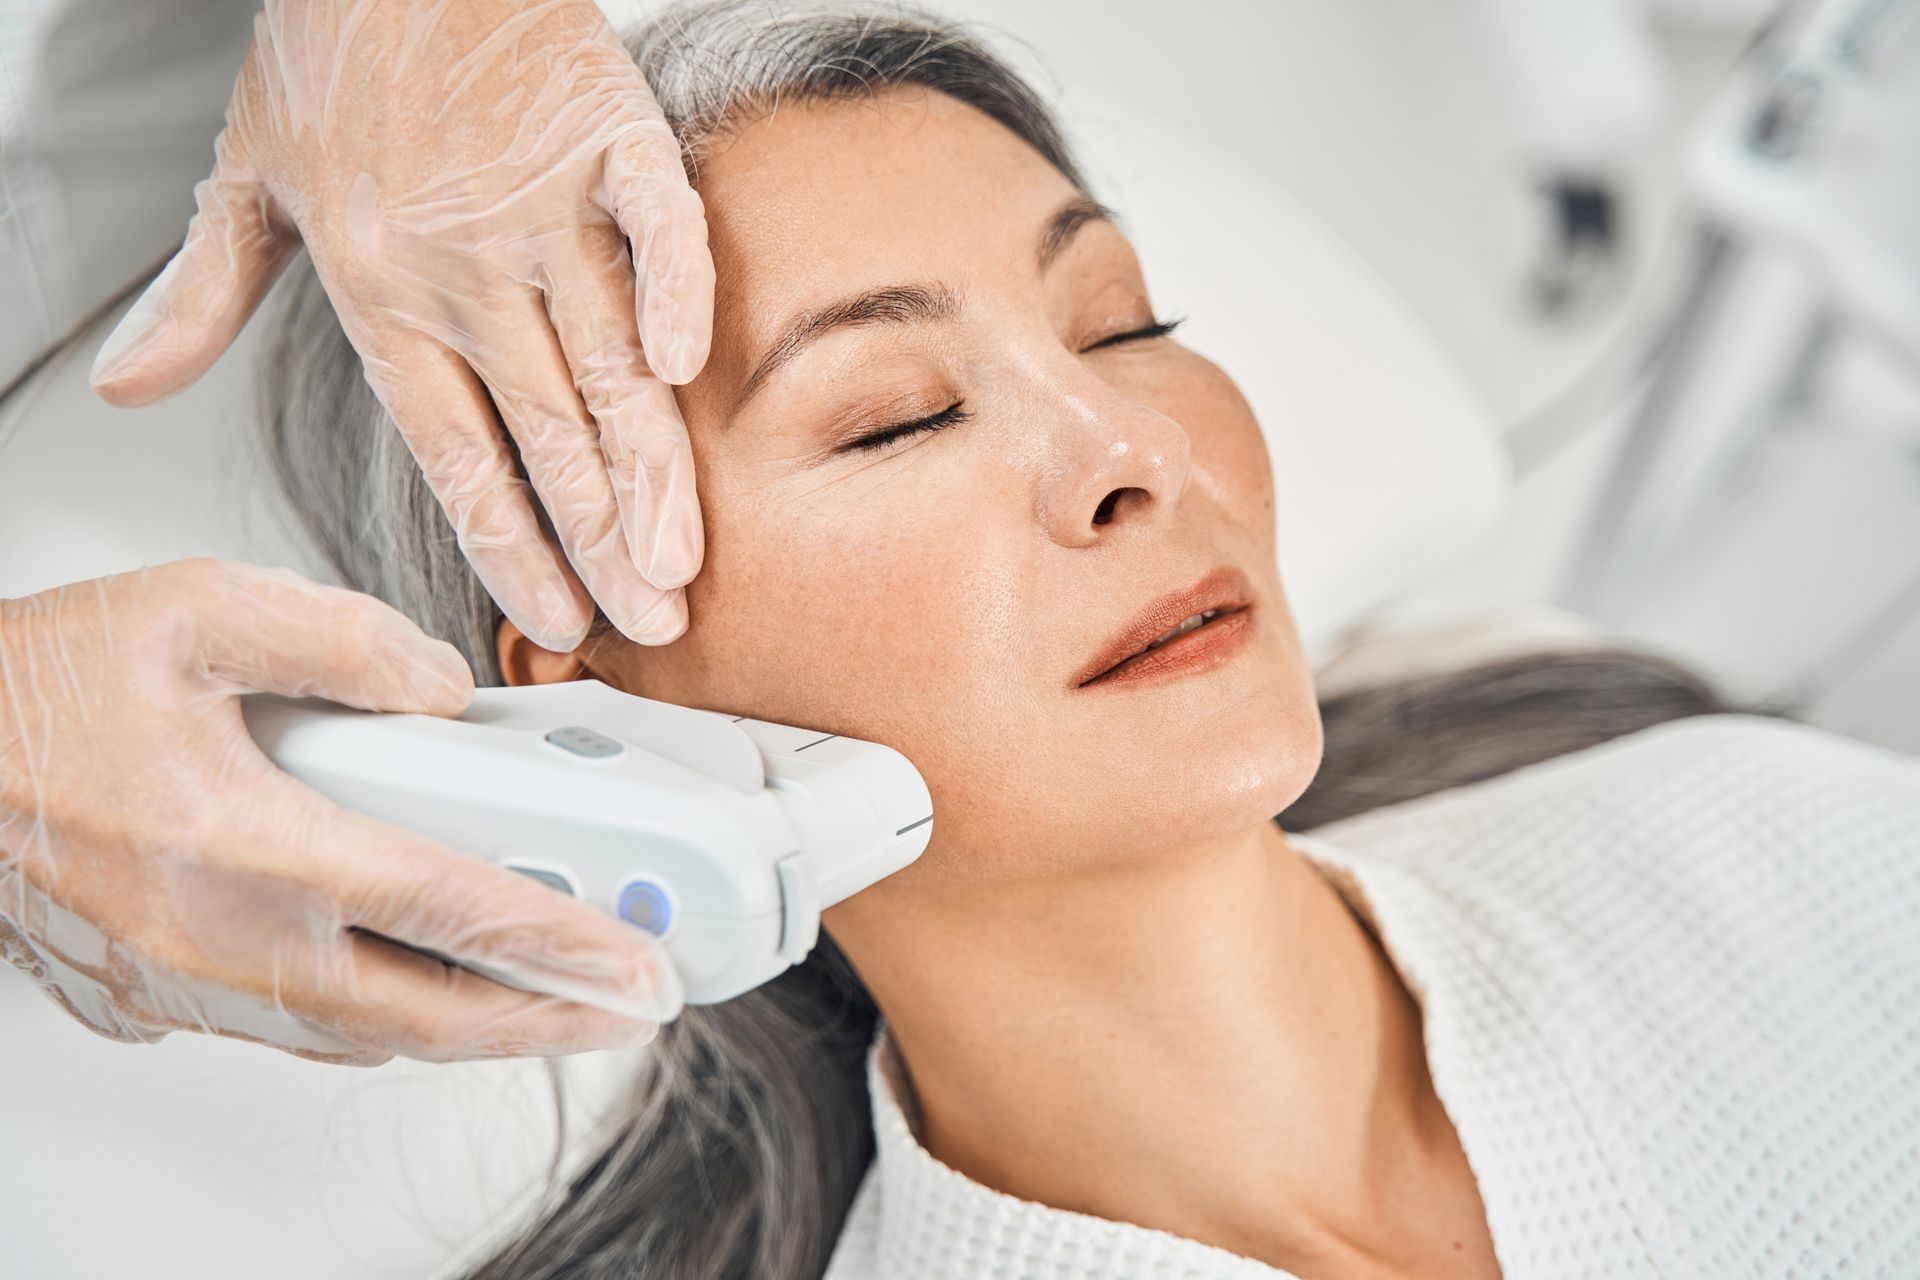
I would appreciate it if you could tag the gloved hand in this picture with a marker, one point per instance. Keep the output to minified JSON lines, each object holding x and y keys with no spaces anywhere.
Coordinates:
{"x":468,"y":179}
{"x":157,"y":873}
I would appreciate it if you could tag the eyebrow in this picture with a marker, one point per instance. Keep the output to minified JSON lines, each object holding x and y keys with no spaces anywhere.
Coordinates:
{"x":908,"y":303}
{"x":1066,"y":223}
{"x":895,"y":304}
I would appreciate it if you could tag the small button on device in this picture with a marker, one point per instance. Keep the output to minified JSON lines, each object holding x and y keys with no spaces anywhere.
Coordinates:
{"x":556,"y":880}
{"x":585,"y":742}
{"x":647,"y":904}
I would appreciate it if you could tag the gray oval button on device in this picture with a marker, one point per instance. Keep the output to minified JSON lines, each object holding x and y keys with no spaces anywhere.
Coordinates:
{"x":585,"y":742}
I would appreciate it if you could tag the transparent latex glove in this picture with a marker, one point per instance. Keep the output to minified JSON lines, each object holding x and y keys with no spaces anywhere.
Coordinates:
{"x":475,"y":182}
{"x":158,"y":873}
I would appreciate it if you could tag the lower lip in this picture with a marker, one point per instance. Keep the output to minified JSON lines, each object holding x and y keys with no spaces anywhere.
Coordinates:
{"x":1191,"y":653}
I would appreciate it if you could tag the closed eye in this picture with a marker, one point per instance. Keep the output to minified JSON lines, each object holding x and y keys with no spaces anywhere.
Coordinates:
{"x":947,"y":417}
{"x":954,"y":414}
{"x":1158,"y":329}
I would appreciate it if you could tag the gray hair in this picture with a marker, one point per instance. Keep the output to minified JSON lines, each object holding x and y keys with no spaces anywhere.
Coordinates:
{"x":745,"y":1138}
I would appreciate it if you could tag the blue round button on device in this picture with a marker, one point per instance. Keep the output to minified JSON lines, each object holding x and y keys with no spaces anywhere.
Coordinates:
{"x":646,"y":904}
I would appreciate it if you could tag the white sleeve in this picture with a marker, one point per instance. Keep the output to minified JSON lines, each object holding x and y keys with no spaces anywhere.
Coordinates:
{"x":108,"y":111}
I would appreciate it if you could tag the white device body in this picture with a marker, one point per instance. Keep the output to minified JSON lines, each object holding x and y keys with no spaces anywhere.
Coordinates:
{"x":724,"y":835}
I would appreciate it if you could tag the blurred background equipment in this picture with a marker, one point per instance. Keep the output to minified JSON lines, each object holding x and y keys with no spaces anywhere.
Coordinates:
{"x":1587,"y":93}
{"x":1810,"y":152}
{"x":1719,"y":202}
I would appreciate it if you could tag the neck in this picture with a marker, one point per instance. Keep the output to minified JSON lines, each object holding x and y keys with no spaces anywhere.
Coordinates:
{"x":1211,"y":1043}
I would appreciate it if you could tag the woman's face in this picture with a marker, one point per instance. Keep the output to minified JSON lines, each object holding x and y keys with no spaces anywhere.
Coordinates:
{"x":944,"y":590}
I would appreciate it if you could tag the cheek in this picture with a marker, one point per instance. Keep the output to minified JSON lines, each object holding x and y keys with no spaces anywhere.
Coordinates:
{"x":882,"y":602}
{"x":1229,"y":452}
{"x":895,"y":602}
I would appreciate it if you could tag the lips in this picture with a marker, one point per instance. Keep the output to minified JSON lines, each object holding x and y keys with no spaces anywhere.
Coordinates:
{"x":1222,"y":592}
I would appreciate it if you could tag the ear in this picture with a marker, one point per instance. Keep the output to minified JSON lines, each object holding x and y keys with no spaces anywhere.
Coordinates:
{"x":523,"y":662}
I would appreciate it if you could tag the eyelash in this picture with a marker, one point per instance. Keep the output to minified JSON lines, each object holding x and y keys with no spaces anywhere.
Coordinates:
{"x":954,"y":414}
{"x":880,"y":439}
{"x":1158,"y":329}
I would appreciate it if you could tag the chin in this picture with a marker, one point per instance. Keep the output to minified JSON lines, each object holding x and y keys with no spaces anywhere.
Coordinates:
{"x":1258,"y":774}
{"x":1257,"y":755}
{"x":1215,"y":786}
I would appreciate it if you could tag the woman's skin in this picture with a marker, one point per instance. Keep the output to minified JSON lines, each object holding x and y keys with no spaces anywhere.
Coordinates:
{"x":1116,"y":987}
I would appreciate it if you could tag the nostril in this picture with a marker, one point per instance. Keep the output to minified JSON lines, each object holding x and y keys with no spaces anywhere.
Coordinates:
{"x":1110,"y":505}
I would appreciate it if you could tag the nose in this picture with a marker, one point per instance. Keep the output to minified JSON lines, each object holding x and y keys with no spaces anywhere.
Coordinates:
{"x":1118,"y":464}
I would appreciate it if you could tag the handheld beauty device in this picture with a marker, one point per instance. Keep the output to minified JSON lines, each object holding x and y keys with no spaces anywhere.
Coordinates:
{"x":723,"y":835}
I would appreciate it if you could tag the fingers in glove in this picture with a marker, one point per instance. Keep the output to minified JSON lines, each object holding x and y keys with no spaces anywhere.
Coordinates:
{"x":425,"y":895}
{"x":272,"y":631}
{"x":649,"y":459}
{"x":561,"y":450}
{"x":457,"y":436}
{"x":647,"y":192}
{"x":236,"y":246}
{"x":413,"y":1005}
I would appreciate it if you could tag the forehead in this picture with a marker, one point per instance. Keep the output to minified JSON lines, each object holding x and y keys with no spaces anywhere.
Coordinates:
{"x":819,"y":198}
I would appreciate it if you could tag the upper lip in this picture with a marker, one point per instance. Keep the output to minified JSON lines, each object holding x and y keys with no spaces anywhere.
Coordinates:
{"x":1224,"y":589}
